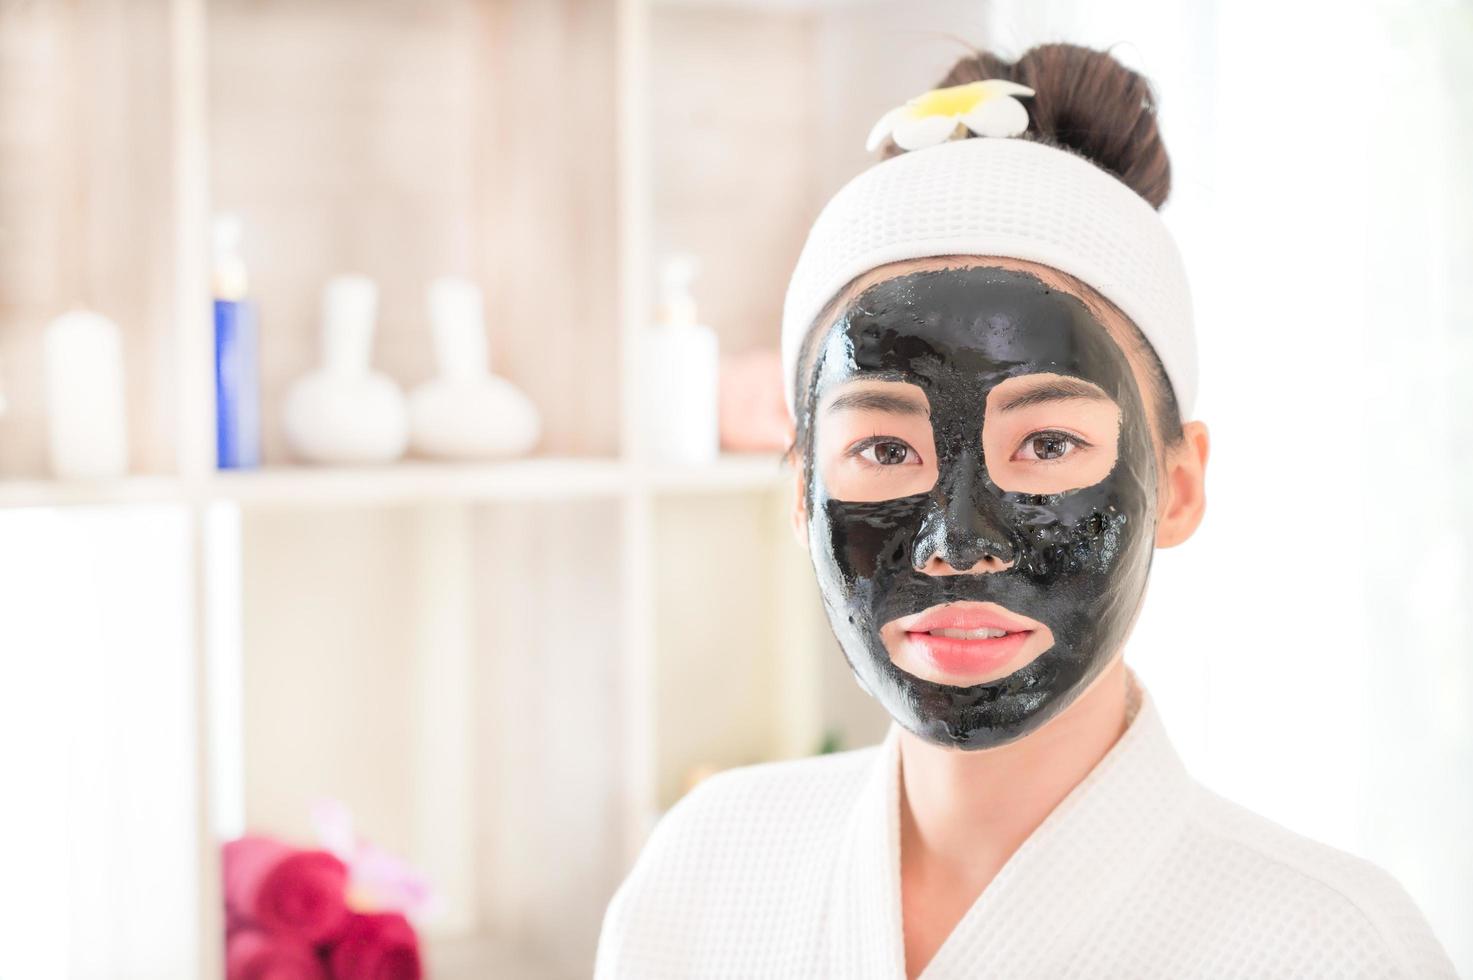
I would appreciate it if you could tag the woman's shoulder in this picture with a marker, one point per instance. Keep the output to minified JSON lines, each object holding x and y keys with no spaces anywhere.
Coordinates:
{"x":738,"y":863}
{"x":1273,"y":883}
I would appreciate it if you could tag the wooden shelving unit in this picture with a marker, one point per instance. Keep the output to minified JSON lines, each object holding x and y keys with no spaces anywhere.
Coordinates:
{"x":93,"y":493}
{"x":540,"y":650}
{"x":411,"y":482}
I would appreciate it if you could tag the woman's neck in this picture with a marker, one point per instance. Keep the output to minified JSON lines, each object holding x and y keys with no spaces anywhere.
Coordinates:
{"x":962,"y":814}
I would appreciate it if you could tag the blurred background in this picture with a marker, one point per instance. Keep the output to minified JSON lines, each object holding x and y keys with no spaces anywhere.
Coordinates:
{"x":387,"y":418}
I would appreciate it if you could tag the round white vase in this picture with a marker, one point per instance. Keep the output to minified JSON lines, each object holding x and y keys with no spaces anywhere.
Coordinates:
{"x":345,"y":412}
{"x":466,"y":412}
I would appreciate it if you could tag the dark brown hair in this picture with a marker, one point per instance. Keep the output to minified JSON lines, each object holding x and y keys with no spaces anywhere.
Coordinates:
{"x":1084,"y":102}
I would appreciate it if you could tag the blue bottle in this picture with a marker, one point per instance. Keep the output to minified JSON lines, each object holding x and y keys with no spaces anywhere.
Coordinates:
{"x":237,"y":361}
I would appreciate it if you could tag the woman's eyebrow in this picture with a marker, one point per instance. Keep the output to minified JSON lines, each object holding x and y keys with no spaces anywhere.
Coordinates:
{"x":876,"y":401}
{"x":1058,"y":389}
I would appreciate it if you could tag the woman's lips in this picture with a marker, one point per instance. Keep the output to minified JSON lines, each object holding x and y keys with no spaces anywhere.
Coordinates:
{"x":966,"y":641}
{"x":966,"y":657}
{"x":967,"y":616}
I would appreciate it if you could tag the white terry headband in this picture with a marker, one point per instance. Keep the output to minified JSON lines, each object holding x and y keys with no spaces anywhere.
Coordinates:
{"x":1006,"y":197}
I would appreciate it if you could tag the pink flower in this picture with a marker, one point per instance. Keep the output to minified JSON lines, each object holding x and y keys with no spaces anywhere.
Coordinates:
{"x":377,"y":880}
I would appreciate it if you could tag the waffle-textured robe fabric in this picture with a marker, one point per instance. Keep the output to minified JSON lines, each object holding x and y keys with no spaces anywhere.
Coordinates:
{"x":791,"y":870}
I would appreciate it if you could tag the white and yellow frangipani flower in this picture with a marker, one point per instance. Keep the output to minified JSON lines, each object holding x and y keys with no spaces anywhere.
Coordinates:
{"x":987,"y":108}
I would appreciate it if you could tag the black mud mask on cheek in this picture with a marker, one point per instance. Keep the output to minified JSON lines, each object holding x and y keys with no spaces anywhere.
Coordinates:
{"x":1079,"y":559}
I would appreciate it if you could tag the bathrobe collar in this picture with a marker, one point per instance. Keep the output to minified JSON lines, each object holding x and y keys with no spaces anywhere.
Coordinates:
{"x":1091,"y":847}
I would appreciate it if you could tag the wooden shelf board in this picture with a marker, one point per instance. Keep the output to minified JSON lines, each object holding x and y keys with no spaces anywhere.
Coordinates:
{"x":412,"y":481}
{"x":478,"y":957}
{"x":553,"y":478}
{"x":730,"y":472}
{"x":75,"y":493}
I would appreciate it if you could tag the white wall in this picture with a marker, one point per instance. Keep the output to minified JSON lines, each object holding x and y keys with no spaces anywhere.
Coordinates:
{"x":97,"y":747}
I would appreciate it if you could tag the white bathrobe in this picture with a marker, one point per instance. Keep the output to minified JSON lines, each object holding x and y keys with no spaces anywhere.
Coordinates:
{"x":792,"y":870}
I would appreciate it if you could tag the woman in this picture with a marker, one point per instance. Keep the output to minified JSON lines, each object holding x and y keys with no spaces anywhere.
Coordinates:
{"x":989,"y":351}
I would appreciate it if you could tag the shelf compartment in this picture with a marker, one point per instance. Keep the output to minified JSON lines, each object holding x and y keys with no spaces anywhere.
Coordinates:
{"x":417,"y":140}
{"x":482,"y":735}
{"x":88,"y":125}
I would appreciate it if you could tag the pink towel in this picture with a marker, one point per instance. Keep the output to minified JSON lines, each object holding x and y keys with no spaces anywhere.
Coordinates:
{"x":380,"y":946}
{"x":286,"y":890}
{"x":754,"y":416}
{"x":252,"y":954}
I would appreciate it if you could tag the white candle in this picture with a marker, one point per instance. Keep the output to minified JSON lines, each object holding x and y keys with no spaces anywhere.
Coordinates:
{"x":88,"y":432}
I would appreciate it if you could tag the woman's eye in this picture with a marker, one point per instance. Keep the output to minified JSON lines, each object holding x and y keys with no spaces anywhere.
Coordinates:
{"x":886,"y":452}
{"x":1045,"y":446}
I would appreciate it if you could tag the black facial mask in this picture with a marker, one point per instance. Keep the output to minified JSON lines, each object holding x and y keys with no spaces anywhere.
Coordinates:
{"x":1079,"y":558}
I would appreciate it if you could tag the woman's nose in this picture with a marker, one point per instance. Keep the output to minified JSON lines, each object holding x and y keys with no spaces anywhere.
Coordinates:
{"x":937,"y":565}
{"x":962,"y":533}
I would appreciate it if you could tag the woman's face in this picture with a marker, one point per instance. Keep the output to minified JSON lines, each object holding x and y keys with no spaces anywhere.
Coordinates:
{"x":981,"y":498}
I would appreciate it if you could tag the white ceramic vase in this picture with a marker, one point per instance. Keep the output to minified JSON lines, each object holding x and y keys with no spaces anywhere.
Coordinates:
{"x":466,"y":412}
{"x":345,"y":412}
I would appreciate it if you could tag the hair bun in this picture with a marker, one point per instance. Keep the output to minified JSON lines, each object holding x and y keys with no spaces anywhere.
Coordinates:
{"x":1085,"y":101}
